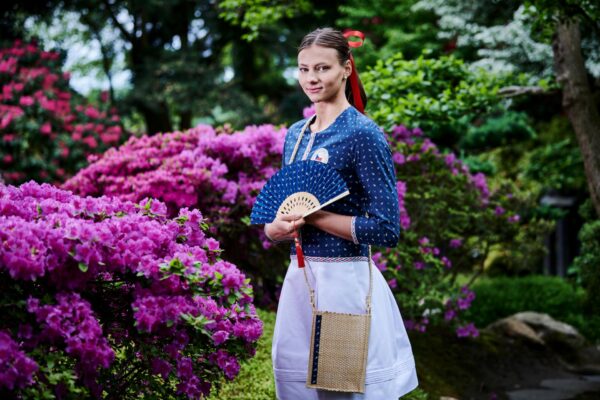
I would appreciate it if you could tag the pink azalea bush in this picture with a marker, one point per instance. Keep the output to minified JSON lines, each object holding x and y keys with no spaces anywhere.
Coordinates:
{"x":451,"y":220}
{"x":110,"y":298}
{"x":46,"y":132}
{"x":216,"y":171}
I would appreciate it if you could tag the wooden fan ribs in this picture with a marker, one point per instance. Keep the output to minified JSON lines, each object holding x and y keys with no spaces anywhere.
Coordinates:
{"x":298,"y":203}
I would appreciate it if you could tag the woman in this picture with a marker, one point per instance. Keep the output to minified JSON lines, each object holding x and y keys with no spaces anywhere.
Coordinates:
{"x":336,"y":240}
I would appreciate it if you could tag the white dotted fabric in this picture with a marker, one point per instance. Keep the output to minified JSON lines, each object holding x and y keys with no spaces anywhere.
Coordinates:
{"x":359,"y":152}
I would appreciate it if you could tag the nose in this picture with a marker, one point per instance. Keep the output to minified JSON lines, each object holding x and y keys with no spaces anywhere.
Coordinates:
{"x":312,"y":76}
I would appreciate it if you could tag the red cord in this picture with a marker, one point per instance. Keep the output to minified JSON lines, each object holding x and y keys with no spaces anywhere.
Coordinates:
{"x":299,"y":252}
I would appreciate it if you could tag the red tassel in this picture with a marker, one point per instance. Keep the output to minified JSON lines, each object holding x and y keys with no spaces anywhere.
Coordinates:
{"x":299,"y":252}
{"x":358,"y":103}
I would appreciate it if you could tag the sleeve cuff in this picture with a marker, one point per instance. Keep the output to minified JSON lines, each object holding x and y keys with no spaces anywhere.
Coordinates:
{"x":353,"y":230}
{"x":268,"y":237}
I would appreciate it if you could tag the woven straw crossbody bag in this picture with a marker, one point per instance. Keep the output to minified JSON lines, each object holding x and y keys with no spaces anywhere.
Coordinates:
{"x":339,"y":346}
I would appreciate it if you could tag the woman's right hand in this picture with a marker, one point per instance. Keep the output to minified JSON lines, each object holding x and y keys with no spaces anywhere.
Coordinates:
{"x":282,"y":227}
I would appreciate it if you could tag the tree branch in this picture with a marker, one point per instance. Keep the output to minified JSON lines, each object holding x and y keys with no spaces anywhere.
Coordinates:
{"x":119,"y":26}
{"x":513,"y":91}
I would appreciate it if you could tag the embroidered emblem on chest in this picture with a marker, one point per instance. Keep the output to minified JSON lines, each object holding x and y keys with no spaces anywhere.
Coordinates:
{"x":321,"y":155}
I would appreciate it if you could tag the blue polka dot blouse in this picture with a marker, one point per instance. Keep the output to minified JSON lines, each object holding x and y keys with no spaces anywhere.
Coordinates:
{"x":356,"y":147}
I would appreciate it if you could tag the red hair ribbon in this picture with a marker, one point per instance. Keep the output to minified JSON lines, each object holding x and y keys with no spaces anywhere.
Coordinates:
{"x":354,"y":75}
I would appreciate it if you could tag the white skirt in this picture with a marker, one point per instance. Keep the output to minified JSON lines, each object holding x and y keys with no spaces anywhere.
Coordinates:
{"x":340,"y":286}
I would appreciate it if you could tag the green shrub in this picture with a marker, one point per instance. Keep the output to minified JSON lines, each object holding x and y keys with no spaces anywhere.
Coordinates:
{"x":557,"y":165}
{"x":439,"y":95}
{"x":587,"y":325}
{"x":587,"y":264}
{"x":503,"y":296}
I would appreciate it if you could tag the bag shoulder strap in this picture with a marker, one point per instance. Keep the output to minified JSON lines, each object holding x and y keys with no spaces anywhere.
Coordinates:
{"x":311,"y":291}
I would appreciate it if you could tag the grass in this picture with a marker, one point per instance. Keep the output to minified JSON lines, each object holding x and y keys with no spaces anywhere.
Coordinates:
{"x":255,"y":381}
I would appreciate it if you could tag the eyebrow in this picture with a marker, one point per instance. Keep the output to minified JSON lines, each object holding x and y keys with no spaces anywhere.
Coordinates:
{"x":316,"y":65}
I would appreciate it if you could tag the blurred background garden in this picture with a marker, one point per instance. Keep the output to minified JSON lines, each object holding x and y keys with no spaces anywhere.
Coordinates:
{"x":135,"y":137}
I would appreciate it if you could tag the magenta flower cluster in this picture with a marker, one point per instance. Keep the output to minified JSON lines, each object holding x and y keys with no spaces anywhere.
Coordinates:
{"x":44,"y":134}
{"x":461,"y":302}
{"x":88,"y":278}
{"x":415,"y":145}
{"x":219,"y":172}
{"x":16,"y":368}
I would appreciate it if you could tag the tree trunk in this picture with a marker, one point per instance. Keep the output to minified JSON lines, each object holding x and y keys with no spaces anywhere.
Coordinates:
{"x":156,"y":117}
{"x":185,"y":120}
{"x":579,"y":102}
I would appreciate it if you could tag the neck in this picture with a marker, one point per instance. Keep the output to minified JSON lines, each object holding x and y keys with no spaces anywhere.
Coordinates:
{"x":327,"y":112}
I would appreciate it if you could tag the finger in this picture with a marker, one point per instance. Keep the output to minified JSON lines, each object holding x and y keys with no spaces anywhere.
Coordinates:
{"x":296,"y":224}
{"x":290,"y":217}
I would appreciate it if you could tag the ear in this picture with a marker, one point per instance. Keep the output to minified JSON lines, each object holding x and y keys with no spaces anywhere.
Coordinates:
{"x":348,"y":67}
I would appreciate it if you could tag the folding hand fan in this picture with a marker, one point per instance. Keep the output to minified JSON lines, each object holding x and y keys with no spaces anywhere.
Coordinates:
{"x":301,"y":188}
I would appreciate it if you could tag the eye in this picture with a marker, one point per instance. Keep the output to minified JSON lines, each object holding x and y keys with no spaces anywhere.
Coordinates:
{"x":322,"y":68}
{"x":302,"y":69}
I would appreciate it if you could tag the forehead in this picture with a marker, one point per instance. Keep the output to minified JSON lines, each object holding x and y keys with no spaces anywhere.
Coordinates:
{"x":317,"y":54}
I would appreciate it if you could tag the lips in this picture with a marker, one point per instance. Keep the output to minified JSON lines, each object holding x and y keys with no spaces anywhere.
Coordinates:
{"x":313,"y":90}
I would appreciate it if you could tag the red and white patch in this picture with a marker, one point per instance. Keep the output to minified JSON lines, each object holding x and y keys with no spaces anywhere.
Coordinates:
{"x":321,"y":155}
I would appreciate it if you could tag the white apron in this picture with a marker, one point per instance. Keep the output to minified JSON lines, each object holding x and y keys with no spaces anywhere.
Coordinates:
{"x":340,"y":286}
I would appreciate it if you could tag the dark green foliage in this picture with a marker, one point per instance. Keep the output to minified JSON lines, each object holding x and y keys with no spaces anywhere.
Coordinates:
{"x":476,"y":165}
{"x":505,"y":129}
{"x":557,"y":166}
{"x":588,"y":264}
{"x":503,"y":296}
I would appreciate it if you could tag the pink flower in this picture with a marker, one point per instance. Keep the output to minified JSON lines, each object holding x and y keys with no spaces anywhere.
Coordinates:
{"x":212,"y":244}
{"x":449,"y":315}
{"x":26,"y":101}
{"x":419,"y":265}
{"x":454,"y":243}
{"x":450,"y":159}
{"x":90,"y":141}
{"x":8,"y":66}
{"x":46,"y":128}
{"x":398,"y":158}
{"x":92,"y":112}
{"x":9,"y":137}
{"x":220,"y":337}
{"x":467,"y":330}
{"x":309,"y":111}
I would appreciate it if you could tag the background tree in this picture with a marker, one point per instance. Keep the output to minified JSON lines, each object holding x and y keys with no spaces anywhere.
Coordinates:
{"x":191,"y":62}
